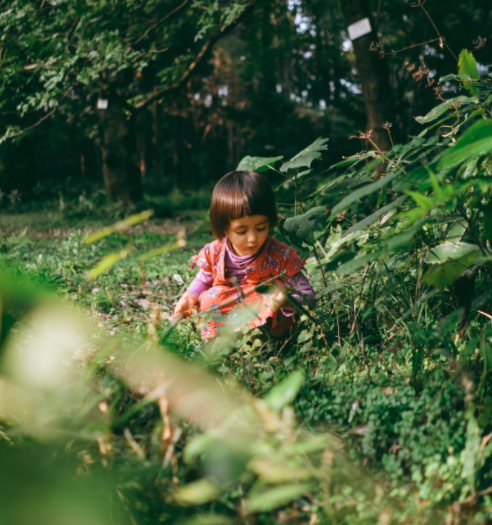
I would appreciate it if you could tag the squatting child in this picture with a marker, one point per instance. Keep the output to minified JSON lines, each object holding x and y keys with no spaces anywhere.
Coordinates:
{"x":242,"y":211}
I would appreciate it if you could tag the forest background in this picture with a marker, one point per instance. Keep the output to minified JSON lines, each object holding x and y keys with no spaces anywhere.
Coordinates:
{"x":190,"y":90}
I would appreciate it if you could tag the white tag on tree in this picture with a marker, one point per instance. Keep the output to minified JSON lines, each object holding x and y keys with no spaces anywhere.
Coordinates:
{"x":102,"y":103}
{"x":360,"y":28}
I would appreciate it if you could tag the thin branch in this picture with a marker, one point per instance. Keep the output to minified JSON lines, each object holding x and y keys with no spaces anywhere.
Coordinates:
{"x":219,"y":33}
{"x":410,"y":47}
{"x":157,"y":24}
{"x":43,"y":118}
{"x":421,"y":4}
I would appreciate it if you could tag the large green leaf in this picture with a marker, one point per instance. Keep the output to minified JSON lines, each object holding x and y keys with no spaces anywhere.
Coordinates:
{"x":362,"y":192}
{"x":413,"y":178}
{"x":276,"y":497}
{"x":306,"y":156}
{"x":300,"y":226}
{"x":443,"y":275}
{"x":476,"y":141}
{"x":467,"y":65}
{"x":442,"y":108}
{"x":285,"y":392}
{"x":257,"y":163}
{"x":370,"y":219}
{"x":341,"y":183}
{"x":449,"y":250}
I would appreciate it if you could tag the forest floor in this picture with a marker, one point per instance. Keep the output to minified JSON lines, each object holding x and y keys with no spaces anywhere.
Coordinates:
{"x":406,"y":433}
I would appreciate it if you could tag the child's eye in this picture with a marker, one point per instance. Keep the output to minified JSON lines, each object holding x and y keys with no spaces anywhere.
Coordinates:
{"x":261,"y":229}
{"x":241,"y":233}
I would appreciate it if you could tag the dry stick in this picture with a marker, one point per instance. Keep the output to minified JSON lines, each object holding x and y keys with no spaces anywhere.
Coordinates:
{"x":437,"y":30}
{"x":158,"y":23}
{"x":393,"y":52}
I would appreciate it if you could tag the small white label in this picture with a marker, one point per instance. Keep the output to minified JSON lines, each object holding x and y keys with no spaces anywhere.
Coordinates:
{"x":360,"y":28}
{"x":102,"y":103}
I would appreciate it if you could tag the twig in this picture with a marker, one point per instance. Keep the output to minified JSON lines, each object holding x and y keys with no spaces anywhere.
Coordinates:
{"x":43,"y":118}
{"x":421,"y":4}
{"x":158,"y":23}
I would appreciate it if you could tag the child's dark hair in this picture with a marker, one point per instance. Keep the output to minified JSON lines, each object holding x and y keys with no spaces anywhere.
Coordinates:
{"x":241,"y":194}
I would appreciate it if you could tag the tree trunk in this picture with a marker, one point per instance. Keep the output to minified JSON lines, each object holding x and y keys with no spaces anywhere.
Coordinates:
{"x":120,"y":171}
{"x":373,"y":74}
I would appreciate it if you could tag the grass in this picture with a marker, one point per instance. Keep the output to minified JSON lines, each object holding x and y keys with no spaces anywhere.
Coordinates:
{"x":408,"y":434}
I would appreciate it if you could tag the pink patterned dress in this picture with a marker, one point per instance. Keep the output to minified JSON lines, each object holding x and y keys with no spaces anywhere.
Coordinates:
{"x":275,"y":261}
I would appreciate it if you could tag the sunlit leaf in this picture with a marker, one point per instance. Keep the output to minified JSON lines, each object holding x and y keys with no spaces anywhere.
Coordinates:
{"x":449,"y":250}
{"x":306,"y":156}
{"x":257,"y":163}
{"x":285,"y":392}
{"x":118,"y":226}
{"x":276,"y":497}
{"x":445,"y":106}
{"x":370,"y":219}
{"x":445,"y":274}
{"x":467,"y":65}
{"x":362,"y":192}
{"x":476,"y":141}
{"x":197,"y":492}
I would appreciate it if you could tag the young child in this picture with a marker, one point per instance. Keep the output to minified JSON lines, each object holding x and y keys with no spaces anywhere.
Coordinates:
{"x":242,"y":211}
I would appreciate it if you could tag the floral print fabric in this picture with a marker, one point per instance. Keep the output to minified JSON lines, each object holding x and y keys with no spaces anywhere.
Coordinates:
{"x":275,"y":261}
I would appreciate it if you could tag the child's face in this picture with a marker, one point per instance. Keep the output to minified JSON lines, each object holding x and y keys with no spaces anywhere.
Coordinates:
{"x":248,"y":234}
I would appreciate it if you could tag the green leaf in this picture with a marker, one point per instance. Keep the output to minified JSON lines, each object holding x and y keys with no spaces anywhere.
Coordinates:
{"x":306,"y":156}
{"x":413,"y":178}
{"x":424,"y":203}
{"x":354,"y":159}
{"x":276,"y":497}
{"x":338,"y":260}
{"x":370,"y":219}
{"x":449,"y":250}
{"x":467,"y":65}
{"x":118,"y":226}
{"x":356,"y":264}
{"x":197,"y":492}
{"x":476,"y":141}
{"x":442,"y":108}
{"x":362,"y":192}
{"x":443,"y":275}
{"x":108,"y":261}
{"x":300,"y":226}
{"x":341,"y":183}
{"x":257,"y":163}
{"x":285,"y":392}
{"x":208,"y":519}
{"x":456,"y":232}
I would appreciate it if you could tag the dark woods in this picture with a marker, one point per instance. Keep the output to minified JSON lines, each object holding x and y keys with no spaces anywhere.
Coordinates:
{"x":154,"y":95}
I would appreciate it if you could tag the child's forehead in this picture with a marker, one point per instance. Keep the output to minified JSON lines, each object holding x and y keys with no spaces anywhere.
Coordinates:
{"x":250,"y":220}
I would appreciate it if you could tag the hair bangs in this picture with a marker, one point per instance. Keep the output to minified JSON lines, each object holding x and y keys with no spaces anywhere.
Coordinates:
{"x":241,"y":194}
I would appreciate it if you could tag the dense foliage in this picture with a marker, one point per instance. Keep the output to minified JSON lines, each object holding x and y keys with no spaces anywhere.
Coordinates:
{"x":388,"y":378}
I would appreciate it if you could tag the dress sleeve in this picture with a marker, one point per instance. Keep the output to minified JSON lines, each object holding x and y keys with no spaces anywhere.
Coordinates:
{"x":203,"y":260}
{"x":300,"y":282}
{"x":201,"y":283}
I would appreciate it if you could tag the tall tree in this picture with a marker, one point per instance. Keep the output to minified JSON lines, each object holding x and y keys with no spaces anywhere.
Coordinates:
{"x":78,"y":53}
{"x":373,"y":73}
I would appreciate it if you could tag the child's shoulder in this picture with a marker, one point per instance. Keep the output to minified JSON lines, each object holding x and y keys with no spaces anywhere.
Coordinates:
{"x":207,"y":256}
{"x":274,"y":245}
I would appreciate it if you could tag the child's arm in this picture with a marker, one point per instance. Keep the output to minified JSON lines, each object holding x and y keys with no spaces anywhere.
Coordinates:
{"x":201,"y":283}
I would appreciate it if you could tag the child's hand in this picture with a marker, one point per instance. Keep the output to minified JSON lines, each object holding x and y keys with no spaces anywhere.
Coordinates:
{"x":277,"y":300}
{"x":185,"y":305}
